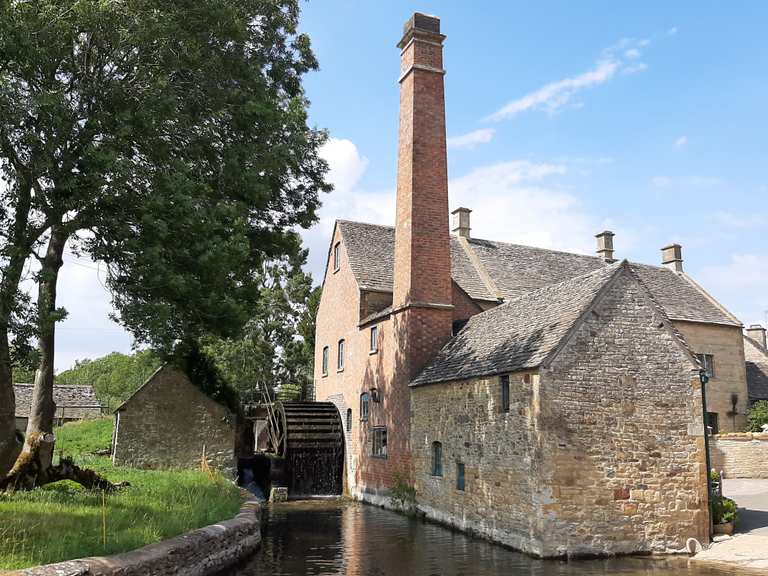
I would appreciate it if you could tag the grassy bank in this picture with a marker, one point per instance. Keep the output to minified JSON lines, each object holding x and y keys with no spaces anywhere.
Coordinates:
{"x":63,"y":521}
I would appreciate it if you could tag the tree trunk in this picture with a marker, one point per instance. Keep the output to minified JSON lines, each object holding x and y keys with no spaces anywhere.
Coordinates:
{"x":43,"y":408}
{"x":9,"y":445}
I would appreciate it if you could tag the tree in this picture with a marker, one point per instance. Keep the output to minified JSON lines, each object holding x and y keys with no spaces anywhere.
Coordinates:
{"x":757,"y":416}
{"x":166,"y":139}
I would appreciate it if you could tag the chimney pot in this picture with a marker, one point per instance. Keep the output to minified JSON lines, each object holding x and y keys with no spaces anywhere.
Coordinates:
{"x":757,"y":333}
{"x":605,"y":246}
{"x":461,"y":222}
{"x":672,"y":257}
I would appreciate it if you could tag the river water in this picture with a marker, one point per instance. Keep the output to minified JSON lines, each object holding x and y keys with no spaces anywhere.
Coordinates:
{"x":352,"y":539}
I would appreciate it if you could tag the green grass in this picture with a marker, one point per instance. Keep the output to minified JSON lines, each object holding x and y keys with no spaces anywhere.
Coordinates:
{"x":63,"y":521}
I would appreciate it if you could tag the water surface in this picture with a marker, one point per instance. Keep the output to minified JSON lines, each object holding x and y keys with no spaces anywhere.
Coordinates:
{"x":352,"y":539}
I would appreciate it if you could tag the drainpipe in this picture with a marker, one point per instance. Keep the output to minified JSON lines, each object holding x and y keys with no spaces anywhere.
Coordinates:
{"x":703,"y":378}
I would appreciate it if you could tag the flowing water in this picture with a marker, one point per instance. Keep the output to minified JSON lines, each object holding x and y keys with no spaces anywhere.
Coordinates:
{"x":351,"y":539}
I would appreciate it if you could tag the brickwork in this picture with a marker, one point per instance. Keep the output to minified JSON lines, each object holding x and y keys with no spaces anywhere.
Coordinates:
{"x":603,"y":453}
{"x":742,"y":455}
{"x":169,"y":422}
{"x":726,"y":344}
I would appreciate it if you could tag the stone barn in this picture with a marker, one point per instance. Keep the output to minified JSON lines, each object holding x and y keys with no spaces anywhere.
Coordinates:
{"x":170,"y":423}
{"x":73,"y":403}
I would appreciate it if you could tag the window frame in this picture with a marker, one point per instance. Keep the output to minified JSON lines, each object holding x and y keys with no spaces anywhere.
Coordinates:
{"x":325,"y":360}
{"x":379,"y":433}
{"x":461,"y":477}
{"x":712,"y":418}
{"x":337,"y":256}
{"x":708,"y":363}
{"x":504,"y":385}
{"x":437,"y":459}
{"x":373,"y":339}
{"x":341,"y":349}
{"x":349,"y":419}
{"x":365,"y":406}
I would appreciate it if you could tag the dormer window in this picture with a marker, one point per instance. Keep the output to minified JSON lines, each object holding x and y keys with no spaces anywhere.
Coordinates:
{"x":336,"y":256}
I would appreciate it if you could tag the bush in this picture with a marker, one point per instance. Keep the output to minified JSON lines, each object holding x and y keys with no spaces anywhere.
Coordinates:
{"x":723,"y":510}
{"x":757,"y":416}
{"x":404,"y":494}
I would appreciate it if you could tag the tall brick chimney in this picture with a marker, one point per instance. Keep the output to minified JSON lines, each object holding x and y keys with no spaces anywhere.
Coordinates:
{"x":422,"y":274}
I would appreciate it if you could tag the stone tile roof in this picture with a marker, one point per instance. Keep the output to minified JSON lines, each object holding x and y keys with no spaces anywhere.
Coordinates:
{"x":514,"y":270}
{"x":757,"y":369}
{"x":72,"y":401}
{"x":520,"y":333}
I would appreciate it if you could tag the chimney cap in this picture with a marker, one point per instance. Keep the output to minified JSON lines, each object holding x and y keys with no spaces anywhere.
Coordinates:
{"x":604,"y":233}
{"x":756,"y":327}
{"x":422,"y":25}
{"x":461,"y":209}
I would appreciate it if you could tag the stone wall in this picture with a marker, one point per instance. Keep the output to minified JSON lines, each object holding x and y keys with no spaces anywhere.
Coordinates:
{"x":601,"y":452}
{"x":170,"y":422}
{"x":743,"y":455}
{"x":726,"y":344}
{"x":202,"y":552}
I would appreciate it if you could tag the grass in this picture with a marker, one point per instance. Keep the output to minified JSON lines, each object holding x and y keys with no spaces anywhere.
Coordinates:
{"x":63,"y":521}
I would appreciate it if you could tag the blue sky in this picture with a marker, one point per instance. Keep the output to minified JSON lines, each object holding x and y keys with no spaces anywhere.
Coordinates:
{"x":564,"y":119}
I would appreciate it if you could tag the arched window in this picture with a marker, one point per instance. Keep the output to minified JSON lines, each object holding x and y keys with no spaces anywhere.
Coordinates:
{"x":365,"y":401}
{"x":437,"y":459}
{"x":349,"y":419}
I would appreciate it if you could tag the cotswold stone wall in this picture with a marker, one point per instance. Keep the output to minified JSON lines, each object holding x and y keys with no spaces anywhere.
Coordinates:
{"x":169,"y":422}
{"x":601,"y":453}
{"x":743,"y":455}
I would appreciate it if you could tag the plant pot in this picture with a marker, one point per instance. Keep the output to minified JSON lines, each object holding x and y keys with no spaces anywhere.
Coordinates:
{"x":726,"y":528}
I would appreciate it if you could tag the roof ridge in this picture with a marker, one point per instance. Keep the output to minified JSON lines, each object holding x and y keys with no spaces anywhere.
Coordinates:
{"x":479,"y":268}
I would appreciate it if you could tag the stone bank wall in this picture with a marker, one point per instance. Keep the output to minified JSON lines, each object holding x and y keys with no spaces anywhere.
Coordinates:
{"x":740,"y":455}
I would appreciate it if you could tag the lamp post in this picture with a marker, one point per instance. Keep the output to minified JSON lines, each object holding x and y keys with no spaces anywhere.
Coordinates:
{"x":703,"y":378}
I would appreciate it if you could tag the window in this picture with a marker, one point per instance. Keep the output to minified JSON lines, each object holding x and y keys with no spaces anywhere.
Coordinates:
{"x":504,"y":393}
{"x":349,"y":419}
{"x":325,"y":361}
{"x":379,"y":442}
{"x":460,"y":476}
{"x":364,"y":405}
{"x":336,"y":256}
{"x":374,"y":338}
{"x":437,"y":459}
{"x":708,"y":363}
{"x":712,"y":422}
{"x":340,"y":357}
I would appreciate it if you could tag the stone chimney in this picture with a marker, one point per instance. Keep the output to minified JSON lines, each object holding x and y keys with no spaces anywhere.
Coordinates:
{"x":605,"y":246}
{"x":422,"y":290}
{"x":672,"y":257}
{"x":461,"y":222}
{"x":757,"y":333}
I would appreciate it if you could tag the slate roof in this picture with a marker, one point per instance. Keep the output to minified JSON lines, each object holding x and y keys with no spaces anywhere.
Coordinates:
{"x":520,"y":333}
{"x":72,"y":402}
{"x":514,"y":270}
{"x":757,"y":369}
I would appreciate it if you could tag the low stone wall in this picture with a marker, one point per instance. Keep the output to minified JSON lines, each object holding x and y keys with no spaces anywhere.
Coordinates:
{"x":740,"y":455}
{"x":201,"y":552}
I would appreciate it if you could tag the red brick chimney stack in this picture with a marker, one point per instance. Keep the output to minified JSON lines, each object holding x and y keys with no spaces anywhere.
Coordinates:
{"x":422,"y":273}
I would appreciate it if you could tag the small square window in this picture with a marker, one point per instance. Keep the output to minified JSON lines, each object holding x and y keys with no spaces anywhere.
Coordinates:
{"x":460,"y":476}
{"x":325,"y":361}
{"x":708,"y":363}
{"x":340,"y":357}
{"x":379,"y":442}
{"x":504,"y":393}
{"x":374,"y":338}
{"x":336,"y":256}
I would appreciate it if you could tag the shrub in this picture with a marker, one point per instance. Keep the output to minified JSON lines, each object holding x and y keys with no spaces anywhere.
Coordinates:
{"x":723,"y":510}
{"x":757,"y":416}
{"x":404,"y":494}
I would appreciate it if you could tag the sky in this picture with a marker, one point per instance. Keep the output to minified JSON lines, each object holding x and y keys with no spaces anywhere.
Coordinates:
{"x":563,"y":119}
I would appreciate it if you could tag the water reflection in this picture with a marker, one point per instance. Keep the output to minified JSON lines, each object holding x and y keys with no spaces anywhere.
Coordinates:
{"x":351,"y":539}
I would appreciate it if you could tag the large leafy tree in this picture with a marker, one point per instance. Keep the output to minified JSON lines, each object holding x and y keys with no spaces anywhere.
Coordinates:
{"x":166,"y":139}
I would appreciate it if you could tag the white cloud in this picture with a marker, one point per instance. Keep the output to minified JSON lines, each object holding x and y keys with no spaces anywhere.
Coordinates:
{"x":681,"y":142}
{"x":661,"y":181}
{"x":472,"y":139}
{"x":740,"y":285}
{"x":622,"y":57}
{"x":733,"y":221}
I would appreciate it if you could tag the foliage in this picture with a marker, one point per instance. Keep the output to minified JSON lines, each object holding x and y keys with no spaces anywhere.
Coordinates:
{"x":723,"y":510}
{"x":714,"y":476}
{"x":403,"y":493}
{"x":757,"y":416}
{"x":201,"y":369}
{"x":115,"y":376}
{"x":63,"y":521}
{"x":276,"y":352}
